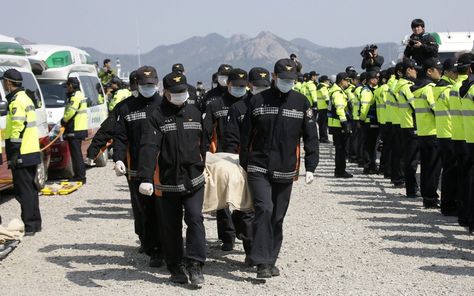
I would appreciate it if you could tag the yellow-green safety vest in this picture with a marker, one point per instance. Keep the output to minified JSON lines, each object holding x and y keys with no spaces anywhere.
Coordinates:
{"x":468,"y":115}
{"x":322,"y":96}
{"x":456,"y":109}
{"x":76,"y":110}
{"x":119,"y":96}
{"x":442,"y":110}
{"x":405,"y":100}
{"x":424,"y":105}
{"x":338,"y":106}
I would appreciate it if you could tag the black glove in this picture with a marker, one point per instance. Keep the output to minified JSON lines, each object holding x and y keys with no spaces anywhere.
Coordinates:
{"x":346,"y":128}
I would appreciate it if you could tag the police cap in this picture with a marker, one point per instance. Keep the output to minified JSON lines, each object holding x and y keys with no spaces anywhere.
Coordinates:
{"x":177,"y":68}
{"x":175,"y":82}
{"x":224,"y":70}
{"x":238,"y":77}
{"x":147,"y":75}
{"x":12,"y":75}
{"x":432,"y":63}
{"x":324,"y":78}
{"x":286,"y":69}
{"x":342,"y":76}
{"x":259,"y":76}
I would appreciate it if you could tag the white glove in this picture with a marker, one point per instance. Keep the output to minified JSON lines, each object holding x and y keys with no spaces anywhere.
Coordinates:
{"x":309,"y":177}
{"x":90,"y":162}
{"x":146,"y":189}
{"x":120,"y":168}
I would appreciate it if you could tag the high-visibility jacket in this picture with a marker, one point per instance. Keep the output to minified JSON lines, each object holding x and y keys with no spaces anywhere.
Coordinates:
{"x":368,"y":107}
{"x":468,"y":114}
{"x":298,"y":87}
{"x":338,"y":110}
{"x":75,"y":117}
{"x":424,"y":105}
{"x":322,"y":96}
{"x":393,"y":113}
{"x":442,"y":110}
{"x":405,"y":100}
{"x":309,"y":90}
{"x":119,"y":96}
{"x":21,"y":131}
{"x":353,"y":102}
{"x":380,"y":95}
{"x":455,"y":109}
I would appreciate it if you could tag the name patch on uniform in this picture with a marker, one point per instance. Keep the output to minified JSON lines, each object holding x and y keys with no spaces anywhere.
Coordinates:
{"x":309,"y":113}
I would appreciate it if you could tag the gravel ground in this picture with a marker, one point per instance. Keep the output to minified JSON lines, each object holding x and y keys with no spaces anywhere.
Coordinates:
{"x":342,"y":237}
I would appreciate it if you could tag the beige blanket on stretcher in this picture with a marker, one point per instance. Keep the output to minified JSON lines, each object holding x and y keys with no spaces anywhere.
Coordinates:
{"x":226,"y":184}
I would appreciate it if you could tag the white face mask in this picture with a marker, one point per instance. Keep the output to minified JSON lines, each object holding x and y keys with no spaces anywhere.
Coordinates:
{"x":285,"y":85}
{"x":179,"y":98}
{"x":147,"y":90}
{"x":237,"y":91}
{"x":258,"y":89}
{"x":135,"y":93}
{"x":214,"y":85}
{"x":222,"y":80}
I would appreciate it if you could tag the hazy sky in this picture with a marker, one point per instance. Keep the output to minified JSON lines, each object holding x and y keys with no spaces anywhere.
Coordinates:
{"x":111,"y":26}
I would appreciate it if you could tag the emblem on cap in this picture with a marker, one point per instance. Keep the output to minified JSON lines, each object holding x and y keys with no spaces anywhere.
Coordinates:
{"x":241,"y":75}
{"x":227,"y":68}
{"x":177,"y":79}
{"x":288,"y":68}
{"x":147,"y":73}
{"x":263,"y":75}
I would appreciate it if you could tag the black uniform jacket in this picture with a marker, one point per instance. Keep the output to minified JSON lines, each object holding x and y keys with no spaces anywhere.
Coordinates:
{"x":235,"y":120}
{"x":131,"y":117}
{"x":271,"y":133}
{"x":173,"y":136}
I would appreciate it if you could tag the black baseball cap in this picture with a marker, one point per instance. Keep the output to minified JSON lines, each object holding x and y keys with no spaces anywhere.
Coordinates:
{"x":313,"y":73}
{"x":372,"y":74}
{"x":432,"y":63}
{"x":177,"y":68}
{"x":465,"y":60}
{"x":409,"y":63}
{"x":342,"y":76}
{"x":175,"y":82}
{"x":450,"y":65}
{"x":147,"y":75}
{"x":286,"y":69}
{"x":259,"y":76}
{"x":238,"y":77}
{"x":324,"y":78}
{"x":73,"y":81}
{"x":363,"y":76}
{"x":350,"y":69}
{"x":12,"y":75}
{"x":224,"y":70}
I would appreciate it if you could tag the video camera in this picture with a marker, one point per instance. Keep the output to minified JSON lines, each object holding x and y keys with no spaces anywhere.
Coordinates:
{"x":413,"y":40}
{"x":368,"y":51}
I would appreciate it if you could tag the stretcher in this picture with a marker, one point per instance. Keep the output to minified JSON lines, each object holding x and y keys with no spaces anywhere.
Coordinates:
{"x":63,"y":188}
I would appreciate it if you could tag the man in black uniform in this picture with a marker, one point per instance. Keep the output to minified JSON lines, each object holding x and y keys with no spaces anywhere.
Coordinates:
{"x":421,"y":45}
{"x":273,"y":125}
{"x":131,"y":116}
{"x":220,"y":81}
{"x":218,"y":101}
{"x":105,"y":132}
{"x":259,"y":80}
{"x":174,"y":136}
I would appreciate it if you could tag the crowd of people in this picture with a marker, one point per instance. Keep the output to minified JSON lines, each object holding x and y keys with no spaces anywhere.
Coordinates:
{"x":418,"y":113}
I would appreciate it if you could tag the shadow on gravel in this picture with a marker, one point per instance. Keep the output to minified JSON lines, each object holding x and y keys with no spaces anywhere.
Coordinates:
{"x":409,"y":223}
{"x":103,"y":209}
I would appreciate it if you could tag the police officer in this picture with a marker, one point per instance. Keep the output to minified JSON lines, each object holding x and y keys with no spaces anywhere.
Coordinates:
{"x":273,"y":125}
{"x":259,"y":81}
{"x":75,"y":121}
{"x":384,"y":124}
{"x":174,"y":136}
{"x":424,"y":105}
{"x":369,"y":122}
{"x":441,"y":93}
{"x":421,"y":45}
{"x":22,"y":148}
{"x":116,"y":93}
{"x":322,"y":98}
{"x":218,"y":102}
{"x":105,"y":132}
{"x":220,"y":80}
{"x":193,"y":97}
{"x":338,"y":122}
{"x":128,"y":132}
{"x":310,"y":88}
{"x":406,"y":107}
{"x":106,"y":73}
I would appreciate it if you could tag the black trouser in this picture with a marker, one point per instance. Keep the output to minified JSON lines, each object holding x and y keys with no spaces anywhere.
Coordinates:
{"x":243,"y":222}
{"x":353,"y":142}
{"x":360,"y":142}
{"x":340,"y":141}
{"x":77,"y":160}
{"x":469,"y":199}
{"x":397,"y":158}
{"x":465,"y":164}
{"x":323,"y":124}
{"x":270,"y":200}
{"x":370,"y":141}
{"x":225,"y":226}
{"x":27,"y":196}
{"x":172,"y":206}
{"x":449,"y":186}
{"x":146,"y":213}
{"x":386,"y":154}
{"x":430,"y":163}
{"x":410,"y":143}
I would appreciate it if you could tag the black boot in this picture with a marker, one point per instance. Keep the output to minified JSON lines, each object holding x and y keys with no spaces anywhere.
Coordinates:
{"x":274,"y":270}
{"x":194,"y":269}
{"x":156,"y":260}
{"x":264,"y":271}
{"x":178,"y":274}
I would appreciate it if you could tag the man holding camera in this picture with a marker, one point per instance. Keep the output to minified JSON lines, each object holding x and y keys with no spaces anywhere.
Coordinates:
{"x":372,"y":61}
{"x":106,"y":73}
{"x":421,"y":45}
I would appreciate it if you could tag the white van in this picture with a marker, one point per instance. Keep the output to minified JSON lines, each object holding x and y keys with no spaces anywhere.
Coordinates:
{"x":450,"y":44}
{"x":13,"y":55}
{"x":56,"y":64}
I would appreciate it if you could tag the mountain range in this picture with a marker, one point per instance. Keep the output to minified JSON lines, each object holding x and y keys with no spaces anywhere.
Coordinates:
{"x":201,"y":56}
